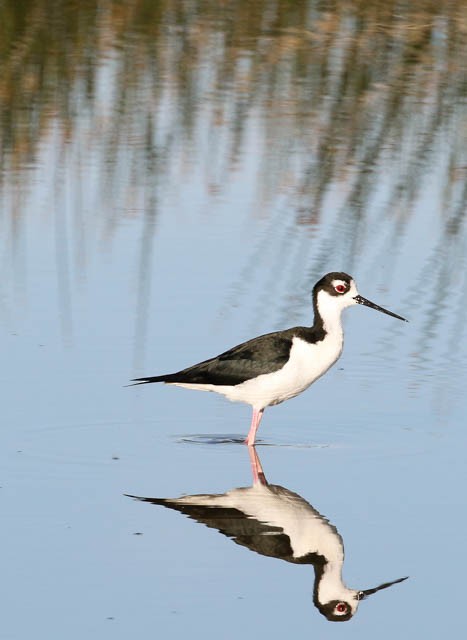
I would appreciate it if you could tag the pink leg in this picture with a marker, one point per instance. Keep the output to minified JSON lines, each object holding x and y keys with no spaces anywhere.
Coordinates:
{"x":256,"y":468}
{"x":255,"y":420}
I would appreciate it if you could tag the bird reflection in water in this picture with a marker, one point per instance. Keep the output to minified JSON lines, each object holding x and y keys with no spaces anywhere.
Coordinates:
{"x":275,"y":522}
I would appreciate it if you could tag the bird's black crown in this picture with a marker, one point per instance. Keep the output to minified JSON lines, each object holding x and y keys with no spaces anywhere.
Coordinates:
{"x":325,"y":284}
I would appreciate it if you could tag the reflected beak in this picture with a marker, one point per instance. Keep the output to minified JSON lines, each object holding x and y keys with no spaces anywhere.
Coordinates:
{"x":367,"y":303}
{"x":361,"y":595}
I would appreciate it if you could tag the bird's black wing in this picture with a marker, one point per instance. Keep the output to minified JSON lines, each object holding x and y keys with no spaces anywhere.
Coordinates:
{"x":265,"y":354}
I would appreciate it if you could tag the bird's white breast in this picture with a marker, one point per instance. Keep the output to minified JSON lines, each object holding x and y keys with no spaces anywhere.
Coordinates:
{"x":307,"y":362}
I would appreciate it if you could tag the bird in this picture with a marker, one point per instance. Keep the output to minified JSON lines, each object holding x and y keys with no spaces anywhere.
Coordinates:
{"x":274,"y":521}
{"x":277,"y":366}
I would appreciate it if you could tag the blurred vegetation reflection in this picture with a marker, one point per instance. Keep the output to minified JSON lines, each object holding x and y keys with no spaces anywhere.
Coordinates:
{"x":345,"y":86}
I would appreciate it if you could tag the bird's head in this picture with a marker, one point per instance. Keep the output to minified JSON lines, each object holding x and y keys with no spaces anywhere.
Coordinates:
{"x":336,"y":291}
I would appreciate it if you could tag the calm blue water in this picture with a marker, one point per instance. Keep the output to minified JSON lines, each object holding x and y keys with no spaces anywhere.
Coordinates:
{"x":167,"y":217}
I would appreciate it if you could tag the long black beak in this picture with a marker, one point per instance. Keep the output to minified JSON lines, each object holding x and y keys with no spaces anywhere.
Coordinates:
{"x":361,"y":595}
{"x":367,"y":303}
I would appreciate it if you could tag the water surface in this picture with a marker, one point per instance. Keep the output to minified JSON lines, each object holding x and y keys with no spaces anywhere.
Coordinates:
{"x":174,"y":179}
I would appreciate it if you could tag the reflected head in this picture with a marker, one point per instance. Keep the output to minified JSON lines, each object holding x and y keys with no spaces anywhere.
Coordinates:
{"x":337,"y":610}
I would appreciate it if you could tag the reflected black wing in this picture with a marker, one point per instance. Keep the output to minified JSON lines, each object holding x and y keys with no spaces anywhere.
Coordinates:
{"x":262,"y":538}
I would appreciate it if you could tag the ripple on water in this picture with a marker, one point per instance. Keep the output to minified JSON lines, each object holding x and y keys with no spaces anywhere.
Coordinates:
{"x":229,"y":438}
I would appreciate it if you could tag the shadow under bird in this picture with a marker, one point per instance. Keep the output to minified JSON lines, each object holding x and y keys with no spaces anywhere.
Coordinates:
{"x":278,"y":366}
{"x":276,"y":522}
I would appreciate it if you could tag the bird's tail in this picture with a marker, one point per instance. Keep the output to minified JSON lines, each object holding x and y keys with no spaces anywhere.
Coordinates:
{"x":137,"y":381}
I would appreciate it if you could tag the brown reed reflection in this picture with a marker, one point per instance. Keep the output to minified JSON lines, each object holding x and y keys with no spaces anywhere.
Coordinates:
{"x":350,"y":83}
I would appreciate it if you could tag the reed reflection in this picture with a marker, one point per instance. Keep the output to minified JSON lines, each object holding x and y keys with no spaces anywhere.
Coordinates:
{"x":273,"y":521}
{"x":343,"y":91}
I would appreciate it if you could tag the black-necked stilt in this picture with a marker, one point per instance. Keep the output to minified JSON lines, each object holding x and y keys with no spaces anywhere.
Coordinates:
{"x":276,"y":522}
{"x":278,"y":366}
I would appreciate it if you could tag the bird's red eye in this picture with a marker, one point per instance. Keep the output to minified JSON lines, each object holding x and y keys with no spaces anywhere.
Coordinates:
{"x":341,"y":607}
{"x":340,"y":288}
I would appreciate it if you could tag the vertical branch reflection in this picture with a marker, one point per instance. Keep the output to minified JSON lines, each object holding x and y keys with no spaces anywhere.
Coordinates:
{"x":144,"y":281}
{"x":147,"y":247}
{"x":62,"y":250}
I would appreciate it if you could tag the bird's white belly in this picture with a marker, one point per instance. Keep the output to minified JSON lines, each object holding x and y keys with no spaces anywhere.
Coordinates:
{"x":307,"y":363}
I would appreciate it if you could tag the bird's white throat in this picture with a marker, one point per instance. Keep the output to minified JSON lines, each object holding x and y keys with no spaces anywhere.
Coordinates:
{"x":330,"y":309}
